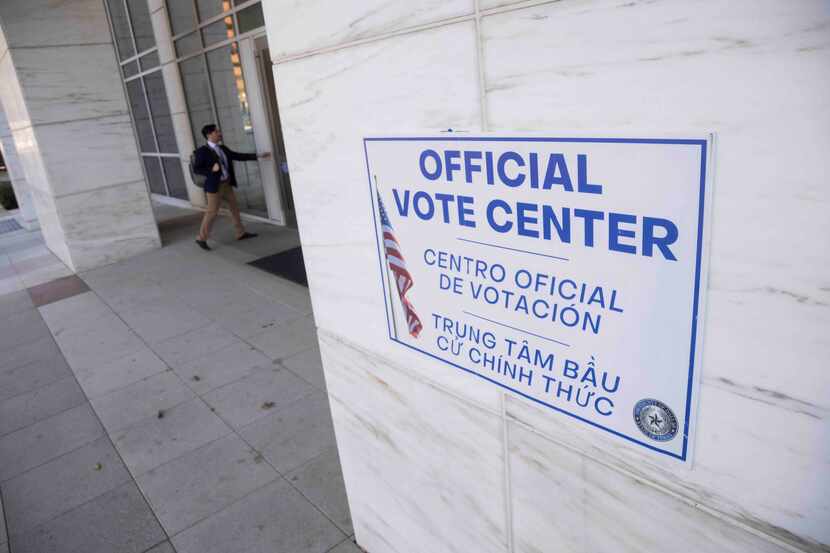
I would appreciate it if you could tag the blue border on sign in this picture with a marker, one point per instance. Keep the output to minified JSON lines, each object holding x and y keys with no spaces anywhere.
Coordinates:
{"x":698,"y":260}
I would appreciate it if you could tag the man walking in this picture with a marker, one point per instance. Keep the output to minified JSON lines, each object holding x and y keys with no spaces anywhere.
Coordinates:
{"x":214,"y":161}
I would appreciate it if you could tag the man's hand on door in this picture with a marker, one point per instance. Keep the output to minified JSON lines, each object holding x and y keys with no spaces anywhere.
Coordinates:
{"x":264,"y":155}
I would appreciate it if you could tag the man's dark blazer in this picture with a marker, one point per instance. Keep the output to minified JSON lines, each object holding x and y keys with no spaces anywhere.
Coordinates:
{"x":206,"y":157}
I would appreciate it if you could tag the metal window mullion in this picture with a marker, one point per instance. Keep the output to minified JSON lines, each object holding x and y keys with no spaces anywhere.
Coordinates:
{"x":153,"y":129}
{"x":130,"y":25}
{"x":200,"y":24}
{"x":142,"y":74}
{"x":210,"y":89}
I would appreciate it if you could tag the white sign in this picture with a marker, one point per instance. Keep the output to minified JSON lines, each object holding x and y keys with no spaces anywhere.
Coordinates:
{"x":569,"y":271}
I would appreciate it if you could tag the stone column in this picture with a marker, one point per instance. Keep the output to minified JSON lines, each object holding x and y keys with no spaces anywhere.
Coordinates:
{"x":62,"y":94}
{"x":26,"y":216}
{"x":175,"y":94}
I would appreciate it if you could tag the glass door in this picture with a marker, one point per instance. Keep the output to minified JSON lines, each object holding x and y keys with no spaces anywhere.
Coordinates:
{"x":265,"y":117}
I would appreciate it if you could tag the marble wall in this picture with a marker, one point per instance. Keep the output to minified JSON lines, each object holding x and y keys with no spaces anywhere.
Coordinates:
{"x":26,"y":215}
{"x":62,"y":94}
{"x":435,"y":460}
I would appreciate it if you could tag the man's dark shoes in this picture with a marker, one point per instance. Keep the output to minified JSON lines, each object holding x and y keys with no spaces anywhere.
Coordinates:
{"x":203,"y":244}
{"x":246,"y":235}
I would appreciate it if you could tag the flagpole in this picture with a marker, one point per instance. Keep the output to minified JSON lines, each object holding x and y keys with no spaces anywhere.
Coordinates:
{"x":386,"y":264}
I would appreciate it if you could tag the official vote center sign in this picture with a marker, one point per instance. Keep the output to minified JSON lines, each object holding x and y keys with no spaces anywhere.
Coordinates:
{"x":569,"y":271}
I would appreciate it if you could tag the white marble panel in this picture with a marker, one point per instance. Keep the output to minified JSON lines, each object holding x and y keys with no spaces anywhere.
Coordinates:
{"x":423,"y":470}
{"x":4,"y":46}
{"x":176,"y":100}
{"x":756,"y":465}
{"x":571,"y":504}
{"x":29,"y":23}
{"x":328,"y":103}
{"x":108,"y":225}
{"x":69,"y":82}
{"x":11,"y":97}
{"x":102,"y":153}
{"x":491,"y":4}
{"x":301,"y":26}
{"x":756,"y":74}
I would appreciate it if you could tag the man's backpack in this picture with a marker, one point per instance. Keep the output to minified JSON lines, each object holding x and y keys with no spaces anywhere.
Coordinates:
{"x":198,"y":180}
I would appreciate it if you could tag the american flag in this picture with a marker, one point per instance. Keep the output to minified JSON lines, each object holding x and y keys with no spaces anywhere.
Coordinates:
{"x":398,"y":267}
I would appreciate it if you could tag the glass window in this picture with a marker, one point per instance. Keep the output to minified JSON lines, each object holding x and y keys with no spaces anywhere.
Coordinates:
{"x":142,"y":27}
{"x":160,"y":110}
{"x":231,"y":98}
{"x":121,"y":29}
{"x":219,"y":31}
{"x":135,"y":92}
{"x":175,"y":177}
{"x":182,"y":16}
{"x":211,"y":8}
{"x":188,"y":45}
{"x":130,"y":69}
{"x":250,"y":18}
{"x":197,"y":94}
{"x":149,"y":61}
{"x":152,"y":168}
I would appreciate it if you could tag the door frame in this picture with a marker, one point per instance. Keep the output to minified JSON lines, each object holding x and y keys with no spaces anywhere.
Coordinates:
{"x":260,"y":121}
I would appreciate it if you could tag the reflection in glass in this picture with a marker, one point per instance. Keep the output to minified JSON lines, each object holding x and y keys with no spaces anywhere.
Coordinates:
{"x":121,"y":29}
{"x":142,"y":27}
{"x":155,"y":179}
{"x":219,"y":31}
{"x":188,"y":45}
{"x":182,"y":16}
{"x":149,"y":61}
{"x":210,"y":8}
{"x":250,"y":18}
{"x":130,"y":69}
{"x":197,"y":94}
{"x":135,"y":93}
{"x":234,"y":116}
{"x":160,"y":111}
{"x":175,"y":177}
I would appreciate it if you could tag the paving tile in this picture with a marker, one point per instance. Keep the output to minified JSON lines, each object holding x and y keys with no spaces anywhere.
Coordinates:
{"x":153,"y":441}
{"x":204,"y":481}
{"x":10,"y":285}
{"x":145,"y":398}
{"x":262,"y":317}
{"x":321,"y":482}
{"x":57,"y":290}
{"x":163,"y":547}
{"x":61,"y":485}
{"x":21,"y":328}
{"x":27,"y":249}
{"x":347,"y":546}
{"x":3,"y":536}
{"x":18,"y":379}
{"x":308,"y":366}
{"x":25,"y":409}
{"x":7,"y":272}
{"x":221,"y":367}
{"x":81,"y":310}
{"x":159,"y":319}
{"x":39,"y":350}
{"x":45,"y":274}
{"x":179,"y":350}
{"x":32,"y":263}
{"x":294,"y":435}
{"x":47,"y":439}
{"x":256,"y":394}
{"x":99,"y":378}
{"x":108,"y":339}
{"x":283,"y":341}
{"x":14,"y":302}
{"x":118,"y":521}
{"x":274,"y":518}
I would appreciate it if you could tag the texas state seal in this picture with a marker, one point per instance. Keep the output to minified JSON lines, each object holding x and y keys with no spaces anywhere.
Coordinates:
{"x":655,"y":420}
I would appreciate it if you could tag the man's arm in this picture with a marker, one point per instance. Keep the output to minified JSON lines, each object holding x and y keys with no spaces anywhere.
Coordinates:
{"x":237,"y":156}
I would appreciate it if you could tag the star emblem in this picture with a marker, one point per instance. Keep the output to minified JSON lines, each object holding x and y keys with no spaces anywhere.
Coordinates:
{"x":654,"y":420}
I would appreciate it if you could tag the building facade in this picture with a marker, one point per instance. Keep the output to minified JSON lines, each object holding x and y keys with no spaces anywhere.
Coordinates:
{"x":104,"y":120}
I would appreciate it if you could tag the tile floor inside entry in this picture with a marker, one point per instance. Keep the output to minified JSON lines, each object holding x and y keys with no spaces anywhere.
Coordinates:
{"x":174,"y":402}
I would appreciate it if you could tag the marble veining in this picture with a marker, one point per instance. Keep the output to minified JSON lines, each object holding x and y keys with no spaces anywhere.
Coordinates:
{"x":328,"y":24}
